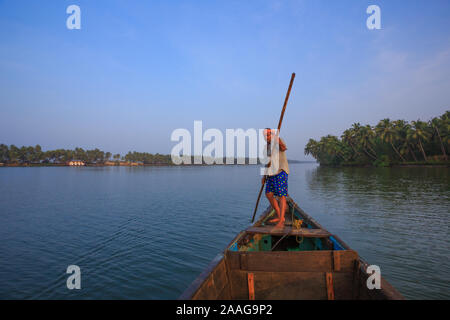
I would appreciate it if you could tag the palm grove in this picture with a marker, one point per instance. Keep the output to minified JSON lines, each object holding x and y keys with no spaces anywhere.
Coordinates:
{"x":35,"y":155}
{"x":387,"y":143}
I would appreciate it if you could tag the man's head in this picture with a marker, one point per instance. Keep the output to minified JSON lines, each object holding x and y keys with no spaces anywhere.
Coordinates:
{"x":267,"y":134}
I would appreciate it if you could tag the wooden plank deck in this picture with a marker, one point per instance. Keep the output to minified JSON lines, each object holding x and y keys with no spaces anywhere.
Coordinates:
{"x":309,"y":233}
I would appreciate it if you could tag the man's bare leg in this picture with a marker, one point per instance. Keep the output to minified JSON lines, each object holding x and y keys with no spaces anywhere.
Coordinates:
{"x":274,"y":204}
{"x":280,"y":224}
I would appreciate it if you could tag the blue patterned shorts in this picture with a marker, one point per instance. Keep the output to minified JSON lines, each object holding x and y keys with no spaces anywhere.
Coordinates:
{"x":277,"y":184}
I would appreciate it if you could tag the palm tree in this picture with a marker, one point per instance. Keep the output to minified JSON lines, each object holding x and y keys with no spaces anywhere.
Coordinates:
{"x":419,"y":133}
{"x":436,"y":123}
{"x":445,"y":128}
{"x":331,"y":145}
{"x":364,"y":134}
{"x":348,"y":137}
{"x":312,"y":148}
{"x":37,"y":153}
{"x":4,"y":153}
{"x":402,"y":127}
{"x":387,"y":133}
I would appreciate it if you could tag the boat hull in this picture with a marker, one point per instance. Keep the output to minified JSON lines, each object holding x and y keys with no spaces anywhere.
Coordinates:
{"x":262,"y":263}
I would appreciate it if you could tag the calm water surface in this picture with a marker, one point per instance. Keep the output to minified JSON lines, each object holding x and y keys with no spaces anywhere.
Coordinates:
{"x":146,"y":233}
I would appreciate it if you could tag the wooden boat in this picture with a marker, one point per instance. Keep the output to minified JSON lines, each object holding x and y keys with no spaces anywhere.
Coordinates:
{"x":295,"y":262}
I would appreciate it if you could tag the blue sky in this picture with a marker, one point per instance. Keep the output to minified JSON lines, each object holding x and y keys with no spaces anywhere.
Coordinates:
{"x":137,"y":70}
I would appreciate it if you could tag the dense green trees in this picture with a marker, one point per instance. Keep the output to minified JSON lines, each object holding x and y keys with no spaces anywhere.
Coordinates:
{"x":389,"y":142}
{"x":148,"y":158}
{"x":29,"y":155}
{"x":35,"y":155}
{"x":13,"y":155}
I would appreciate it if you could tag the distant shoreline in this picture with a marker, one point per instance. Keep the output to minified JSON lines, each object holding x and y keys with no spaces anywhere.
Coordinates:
{"x":134,"y":164}
{"x":131,"y":164}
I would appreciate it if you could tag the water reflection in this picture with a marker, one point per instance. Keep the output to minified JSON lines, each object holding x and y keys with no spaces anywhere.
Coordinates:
{"x":397,"y":218}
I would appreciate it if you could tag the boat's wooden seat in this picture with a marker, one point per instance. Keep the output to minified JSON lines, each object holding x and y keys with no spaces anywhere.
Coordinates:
{"x":309,"y":233}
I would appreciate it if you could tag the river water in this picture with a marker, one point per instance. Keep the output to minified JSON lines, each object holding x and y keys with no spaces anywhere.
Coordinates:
{"x":148,"y":232}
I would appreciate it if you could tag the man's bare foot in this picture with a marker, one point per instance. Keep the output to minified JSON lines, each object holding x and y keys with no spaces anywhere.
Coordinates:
{"x":273,"y":220}
{"x":280,"y":224}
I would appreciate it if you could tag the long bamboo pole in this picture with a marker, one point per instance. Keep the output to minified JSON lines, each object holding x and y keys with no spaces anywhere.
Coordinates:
{"x":279,"y":127}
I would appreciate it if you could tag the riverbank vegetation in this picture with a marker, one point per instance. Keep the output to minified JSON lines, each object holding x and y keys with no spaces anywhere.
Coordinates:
{"x":15,"y":156}
{"x":34,"y":156}
{"x":387,"y":143}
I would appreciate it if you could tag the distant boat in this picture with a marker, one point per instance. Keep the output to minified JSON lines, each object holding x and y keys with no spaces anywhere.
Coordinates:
{"x":295,"y":262}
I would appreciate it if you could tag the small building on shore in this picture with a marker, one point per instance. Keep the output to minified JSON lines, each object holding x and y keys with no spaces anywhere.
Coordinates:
{"x":76,"y":163}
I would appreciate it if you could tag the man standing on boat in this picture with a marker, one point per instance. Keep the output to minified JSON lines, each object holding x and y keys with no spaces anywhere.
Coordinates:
{"x":276,"y":177}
